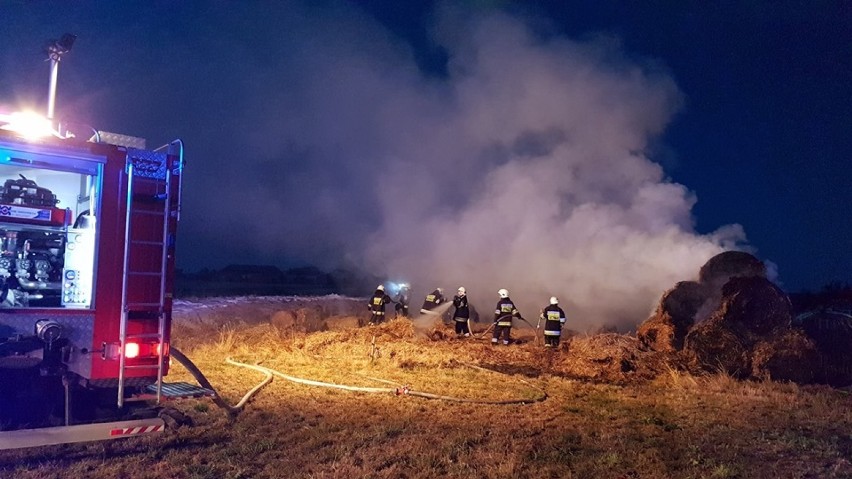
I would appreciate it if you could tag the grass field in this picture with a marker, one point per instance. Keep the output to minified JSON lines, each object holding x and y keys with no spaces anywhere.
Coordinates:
{"x":674,"y":426}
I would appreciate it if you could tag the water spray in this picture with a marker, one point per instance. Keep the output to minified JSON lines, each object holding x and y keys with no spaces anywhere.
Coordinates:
{"x":425,"y":321}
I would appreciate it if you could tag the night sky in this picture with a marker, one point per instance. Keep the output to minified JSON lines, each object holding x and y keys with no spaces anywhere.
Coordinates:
{"x":587,"y":149}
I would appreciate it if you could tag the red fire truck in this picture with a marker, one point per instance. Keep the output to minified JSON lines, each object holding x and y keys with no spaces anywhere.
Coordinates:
{"x":87,"y":243}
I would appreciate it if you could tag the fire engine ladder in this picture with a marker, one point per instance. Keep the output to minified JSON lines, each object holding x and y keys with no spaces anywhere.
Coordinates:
{"x":163,"y":187}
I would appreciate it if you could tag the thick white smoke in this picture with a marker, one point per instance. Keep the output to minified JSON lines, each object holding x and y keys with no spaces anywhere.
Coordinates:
{"x":523,"y":168}
{"x":537,"y":182}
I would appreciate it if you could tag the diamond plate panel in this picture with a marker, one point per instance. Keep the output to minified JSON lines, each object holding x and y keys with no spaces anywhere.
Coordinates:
{"x":147,"y":164}
{"x":78,"y":328}
{"x":181,"y":390}
{"x":121,"y":140}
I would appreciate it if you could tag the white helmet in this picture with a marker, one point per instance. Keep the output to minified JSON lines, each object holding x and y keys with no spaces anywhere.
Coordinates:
{"x":441,"y":290}
{"x":462,"y":291}
{"x":554,"y":300}
{"x":504,"y":293}
{"x":380,"y":287}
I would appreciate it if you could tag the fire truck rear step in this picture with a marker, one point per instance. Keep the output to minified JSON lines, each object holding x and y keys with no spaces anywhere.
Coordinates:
{"x":182,"y":390}
{"x":169,"y":391}
{"x":80,"y":433}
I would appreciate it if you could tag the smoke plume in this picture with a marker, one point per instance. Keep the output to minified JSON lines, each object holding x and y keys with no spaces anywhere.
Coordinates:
{"x":314,"y":136}
{"x":524,"y":167}
{"x":535,"y":180}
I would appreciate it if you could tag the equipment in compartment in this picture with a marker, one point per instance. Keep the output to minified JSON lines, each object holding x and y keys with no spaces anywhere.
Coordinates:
{"x":31,"y":264}
{"x":23,"y":201}
{"x":26,"y":192}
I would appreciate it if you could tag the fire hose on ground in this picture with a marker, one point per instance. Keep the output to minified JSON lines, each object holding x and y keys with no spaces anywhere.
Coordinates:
{"x":398,"y":391}
{"x":199,"y":376}
{"x":401,"y":390}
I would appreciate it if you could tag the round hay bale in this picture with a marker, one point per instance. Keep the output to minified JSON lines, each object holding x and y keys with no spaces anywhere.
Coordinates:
{"x":711,"y":346}
{"x":730,"y":264}
{"x":666,"y":329}
{"x":790,"y":356}
{"x":756,"y":307}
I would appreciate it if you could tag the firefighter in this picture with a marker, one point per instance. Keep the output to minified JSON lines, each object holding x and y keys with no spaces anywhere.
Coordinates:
{"x":403,"y":297}
{"x":377,"y":305}
{"x":432,"y":301}
{"x":554,"y":320}
{"x":462,"y":314}
{"x":503,"y":317}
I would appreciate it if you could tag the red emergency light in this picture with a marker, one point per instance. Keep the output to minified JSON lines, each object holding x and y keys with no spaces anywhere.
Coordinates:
{"x":135,"y":350}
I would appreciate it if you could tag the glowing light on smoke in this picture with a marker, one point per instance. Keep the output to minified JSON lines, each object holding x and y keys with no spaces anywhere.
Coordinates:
{"x":28,"y":124}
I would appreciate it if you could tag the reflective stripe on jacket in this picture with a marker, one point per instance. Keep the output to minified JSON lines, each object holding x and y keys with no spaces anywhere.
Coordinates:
{"x":554,"y":319}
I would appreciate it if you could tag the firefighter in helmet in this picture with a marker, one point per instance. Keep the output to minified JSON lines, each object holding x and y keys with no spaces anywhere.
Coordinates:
{"x":503,"y":316}
{"x":462,"y":314}
{"x":432,"y":301}
{"x":403,"y":297}
{"x":554,"y":319}
{"x":377,"y":303}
